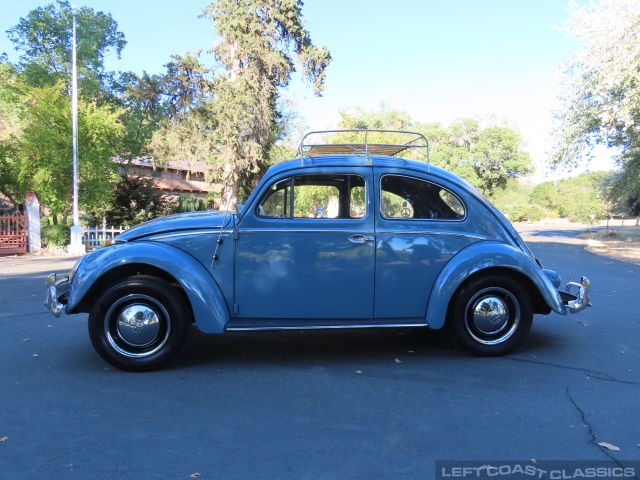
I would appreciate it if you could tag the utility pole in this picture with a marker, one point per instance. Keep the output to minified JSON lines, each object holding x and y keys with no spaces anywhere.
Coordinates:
{"x":76,"y":246}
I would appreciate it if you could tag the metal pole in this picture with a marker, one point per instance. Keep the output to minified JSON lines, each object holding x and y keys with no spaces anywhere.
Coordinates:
{"x":76,"y":245}
{"x":74,"y":119}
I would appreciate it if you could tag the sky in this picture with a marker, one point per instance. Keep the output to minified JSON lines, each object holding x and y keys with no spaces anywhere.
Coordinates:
{"x":437,"y":60}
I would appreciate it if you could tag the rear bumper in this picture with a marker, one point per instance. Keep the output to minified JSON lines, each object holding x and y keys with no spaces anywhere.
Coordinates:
{"x":57,"y":293}
{"x":576,"y":296}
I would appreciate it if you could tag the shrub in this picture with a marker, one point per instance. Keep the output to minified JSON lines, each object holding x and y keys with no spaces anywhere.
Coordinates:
{"x":55,"y":235}
{"x":524,"y":212}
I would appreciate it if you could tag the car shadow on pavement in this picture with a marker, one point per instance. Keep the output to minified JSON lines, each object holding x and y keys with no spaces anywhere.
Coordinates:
{"x":313,"y":346}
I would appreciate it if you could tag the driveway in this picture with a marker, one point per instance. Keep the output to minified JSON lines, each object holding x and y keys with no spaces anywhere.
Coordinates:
{"x":321,"y":405}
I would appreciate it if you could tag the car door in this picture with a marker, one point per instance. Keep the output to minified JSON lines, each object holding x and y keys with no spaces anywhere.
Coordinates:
{"x":419,"y":228}
{"x":306,"y":248}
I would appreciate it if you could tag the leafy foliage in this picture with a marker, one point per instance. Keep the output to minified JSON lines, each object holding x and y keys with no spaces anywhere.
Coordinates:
{"x":190,"y":203}
{"x":44,"y":153}
{"x":486,"y":157}
{"x":55,"y":235}
{"x":134,"y":200}
{"x":625,"y":188}
{"x":600,"y":90}
{"x":35,"y":108}
{"x":11,"y":107}
{"x":576,"y":198}
{"x":232,"y":121}
{"x":44,"y":37}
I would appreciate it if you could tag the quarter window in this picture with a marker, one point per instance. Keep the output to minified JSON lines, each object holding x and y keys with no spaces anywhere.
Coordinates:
{"x":407,"y":197}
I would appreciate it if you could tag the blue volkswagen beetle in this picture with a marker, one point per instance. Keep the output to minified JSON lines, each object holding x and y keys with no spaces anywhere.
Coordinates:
{"x":346,"y":236}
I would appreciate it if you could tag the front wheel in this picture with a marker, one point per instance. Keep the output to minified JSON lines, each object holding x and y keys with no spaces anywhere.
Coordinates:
{"x":490,"y":315}
{"x":139,"y":324}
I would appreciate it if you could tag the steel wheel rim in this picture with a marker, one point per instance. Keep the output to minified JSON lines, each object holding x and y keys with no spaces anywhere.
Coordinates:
{"x":492,"y":316}
{"x":137,"y":326}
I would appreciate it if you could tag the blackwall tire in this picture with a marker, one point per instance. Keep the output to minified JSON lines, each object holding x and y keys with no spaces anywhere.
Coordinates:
{"x":490,"y":315}
{"x":139,"y":324}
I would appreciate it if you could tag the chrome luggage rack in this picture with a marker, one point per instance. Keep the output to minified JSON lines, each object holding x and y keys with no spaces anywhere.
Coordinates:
{"x":363,"y":145}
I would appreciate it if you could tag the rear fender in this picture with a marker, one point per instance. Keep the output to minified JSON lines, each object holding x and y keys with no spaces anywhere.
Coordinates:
{"x":210,"y":310}
{"x":484,"y":256}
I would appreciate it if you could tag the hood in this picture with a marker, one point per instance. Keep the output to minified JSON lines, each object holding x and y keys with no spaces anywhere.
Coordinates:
{"x":181,"y":222}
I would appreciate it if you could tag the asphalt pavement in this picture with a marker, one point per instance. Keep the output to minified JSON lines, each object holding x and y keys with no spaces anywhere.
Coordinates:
{"x":321,"y":405}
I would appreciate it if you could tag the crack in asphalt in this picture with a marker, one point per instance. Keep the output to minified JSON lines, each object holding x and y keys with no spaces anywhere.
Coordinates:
{"x":21,"y":315}
{"x":590,"y":373}
{"x":592,"y":440}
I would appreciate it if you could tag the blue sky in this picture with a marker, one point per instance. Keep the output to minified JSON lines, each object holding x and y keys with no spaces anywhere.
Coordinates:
{"x":438,"y":60}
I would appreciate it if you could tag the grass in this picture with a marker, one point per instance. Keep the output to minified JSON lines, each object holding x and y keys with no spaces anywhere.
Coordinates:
{"x":623,"y":234}
{"x":620,"y":243}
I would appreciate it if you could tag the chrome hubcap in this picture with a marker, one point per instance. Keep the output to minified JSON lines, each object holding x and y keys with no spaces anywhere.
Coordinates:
{"x":137,"y":326}
{"x":492,"y":315}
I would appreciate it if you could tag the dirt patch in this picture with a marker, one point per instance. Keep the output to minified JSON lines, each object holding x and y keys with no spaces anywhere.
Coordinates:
{"x":620,"y":243}
{"x":624,"y":251}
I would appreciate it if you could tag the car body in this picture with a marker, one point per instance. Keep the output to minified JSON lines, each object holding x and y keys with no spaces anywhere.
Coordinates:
{"x":339,"y":238}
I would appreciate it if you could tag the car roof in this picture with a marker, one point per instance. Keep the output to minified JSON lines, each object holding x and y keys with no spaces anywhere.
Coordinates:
{"x":375,"y":161}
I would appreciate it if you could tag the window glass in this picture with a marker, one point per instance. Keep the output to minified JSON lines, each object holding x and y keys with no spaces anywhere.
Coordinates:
{"x":406,"y":197}
{"x":315,"y":196}
{"x":358,"y":204}
{"x":275,"y":202}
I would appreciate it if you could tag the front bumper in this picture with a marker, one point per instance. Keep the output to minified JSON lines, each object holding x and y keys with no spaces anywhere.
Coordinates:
{"x":57,"y":293}
{"x":578,"y":301}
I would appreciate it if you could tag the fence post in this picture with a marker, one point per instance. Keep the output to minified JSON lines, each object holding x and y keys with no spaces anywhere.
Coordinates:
{"x":32,"y":209}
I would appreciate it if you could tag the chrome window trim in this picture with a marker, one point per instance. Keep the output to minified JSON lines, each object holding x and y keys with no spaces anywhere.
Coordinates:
{"x":393,"y":219}
{"x":292,"y":184}
{"x":211,"y":231}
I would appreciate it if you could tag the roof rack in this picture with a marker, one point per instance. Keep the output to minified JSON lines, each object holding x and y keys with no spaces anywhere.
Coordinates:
{"x":363,"y":145}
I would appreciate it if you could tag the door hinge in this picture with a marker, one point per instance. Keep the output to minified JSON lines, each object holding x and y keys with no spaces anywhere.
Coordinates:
{"x":235,"y":233}
{"x":236,"y":307}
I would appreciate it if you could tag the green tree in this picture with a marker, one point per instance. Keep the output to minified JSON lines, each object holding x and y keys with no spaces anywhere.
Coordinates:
{"x":486,"y":157}
{"x":498,"y":155}
{"x":516,"y":201}
{"x":236,"y":117}
{"x":576,"y":198}
{"x":625,"y":187}
{"x":382,"y":118}
{"x":134,"y":200}
{"x":44,"y":150}
{"x":11,"y":106}
{"x":44,"y":38}
{"x":600,"y":90}
{"x":36,"y":151}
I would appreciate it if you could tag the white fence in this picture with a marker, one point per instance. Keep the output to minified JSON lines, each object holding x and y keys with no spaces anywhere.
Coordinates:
{"x":95,"y":237}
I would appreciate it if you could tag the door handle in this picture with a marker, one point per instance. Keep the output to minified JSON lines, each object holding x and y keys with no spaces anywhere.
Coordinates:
{"x":360,"y":238}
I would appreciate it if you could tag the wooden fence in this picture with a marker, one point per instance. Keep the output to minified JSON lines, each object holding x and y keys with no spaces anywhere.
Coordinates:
{"x":13,"y":234}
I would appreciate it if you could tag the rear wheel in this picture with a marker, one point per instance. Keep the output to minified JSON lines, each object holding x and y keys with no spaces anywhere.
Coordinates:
{"x":490,"y":315}
{"x":139,"y":324}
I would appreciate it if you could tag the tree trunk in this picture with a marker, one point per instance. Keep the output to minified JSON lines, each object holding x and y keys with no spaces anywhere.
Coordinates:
{"x":230,"y":188}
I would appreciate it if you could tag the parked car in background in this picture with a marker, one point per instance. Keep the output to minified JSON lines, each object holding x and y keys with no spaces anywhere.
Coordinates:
{"x":347,"y":236}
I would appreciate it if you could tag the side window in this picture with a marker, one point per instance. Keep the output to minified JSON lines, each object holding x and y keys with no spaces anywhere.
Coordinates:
{"x":275,"y":203}
{"x":315,"y":196}
{"x":407,"y":197}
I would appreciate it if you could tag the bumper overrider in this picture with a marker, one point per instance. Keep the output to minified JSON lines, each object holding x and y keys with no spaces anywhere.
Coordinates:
{"x":57,"y":293}
{"x":576,"y":296}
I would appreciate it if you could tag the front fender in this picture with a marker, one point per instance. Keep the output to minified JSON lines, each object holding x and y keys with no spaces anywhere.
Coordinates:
{"x":482,"y":256}
{"x":210,"y":311}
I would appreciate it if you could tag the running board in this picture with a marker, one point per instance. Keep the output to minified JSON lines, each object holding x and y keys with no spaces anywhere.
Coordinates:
{"x":251,"y":324}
